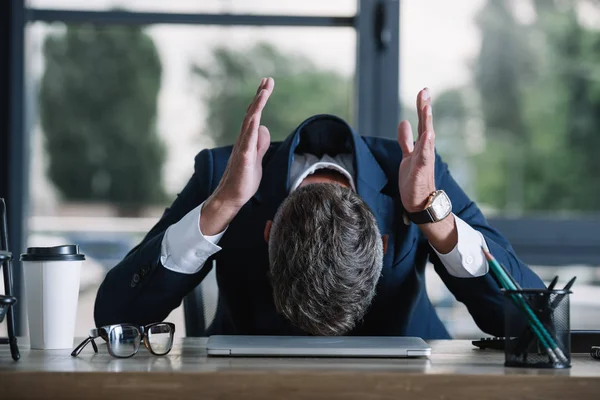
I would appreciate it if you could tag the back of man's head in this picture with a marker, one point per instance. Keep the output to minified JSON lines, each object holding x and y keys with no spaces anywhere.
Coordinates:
{"x":325,"y":254}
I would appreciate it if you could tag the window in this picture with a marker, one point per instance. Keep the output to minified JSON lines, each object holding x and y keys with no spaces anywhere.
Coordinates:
{"x":119,"y":112}
{"x":515,"y":112}
{"x":514,"y":103}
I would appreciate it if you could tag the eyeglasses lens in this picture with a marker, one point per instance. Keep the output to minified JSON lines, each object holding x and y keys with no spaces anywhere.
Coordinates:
{"x":160,"y":338}
{"x":124,"y":340}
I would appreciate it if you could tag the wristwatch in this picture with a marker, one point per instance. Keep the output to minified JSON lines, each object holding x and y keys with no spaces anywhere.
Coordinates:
{"x":438,"y":207}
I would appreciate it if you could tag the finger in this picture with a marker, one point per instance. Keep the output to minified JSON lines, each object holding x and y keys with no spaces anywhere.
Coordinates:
{"x":255,"y":109}
{"x":245,"y":123}
{"x":419,"y":128}
{"x":260,"y":103}
{"x":264,"y":139}
{"x":405,"y":138}
{"x":250,"y":134}
{"x":428,"y":118}
{"x":258,"y":90}
{"x":425,"y":148}
{"x":262,"y":84}
{"x":423,"y":99}
{"x":269,"y":85}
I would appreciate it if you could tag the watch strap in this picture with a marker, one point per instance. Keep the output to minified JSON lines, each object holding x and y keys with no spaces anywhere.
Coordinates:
{"x":421,"y":217}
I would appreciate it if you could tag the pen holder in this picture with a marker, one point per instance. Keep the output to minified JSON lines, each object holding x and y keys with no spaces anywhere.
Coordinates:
{"x":528,"y":341}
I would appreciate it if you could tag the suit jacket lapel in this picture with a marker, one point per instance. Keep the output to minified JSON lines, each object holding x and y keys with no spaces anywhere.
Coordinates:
{"x":370,"y":181}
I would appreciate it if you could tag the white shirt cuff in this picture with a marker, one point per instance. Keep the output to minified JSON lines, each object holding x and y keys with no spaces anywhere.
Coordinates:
{"x":184,"y":248}
{"x":466,"y":260}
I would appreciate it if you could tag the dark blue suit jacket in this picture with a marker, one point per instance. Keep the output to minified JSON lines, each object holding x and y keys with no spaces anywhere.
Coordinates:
{"x":139,"y":289}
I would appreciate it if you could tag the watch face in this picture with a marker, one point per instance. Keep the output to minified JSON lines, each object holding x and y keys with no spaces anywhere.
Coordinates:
{"x":441,"y":206}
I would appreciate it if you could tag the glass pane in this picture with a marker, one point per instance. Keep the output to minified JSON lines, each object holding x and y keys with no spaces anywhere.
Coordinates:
{"x":160,"y":338}
{"x":306,"y":7}
{"x":119,"y":114}
{"x":515,"y":93}
{"x":124,"y":340}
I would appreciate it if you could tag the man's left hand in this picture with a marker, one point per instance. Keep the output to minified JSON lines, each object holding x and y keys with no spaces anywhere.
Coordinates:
{"x":416,"y":179}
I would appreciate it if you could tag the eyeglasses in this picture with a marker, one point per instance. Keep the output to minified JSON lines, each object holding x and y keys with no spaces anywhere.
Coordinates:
{"x":123,"y":340}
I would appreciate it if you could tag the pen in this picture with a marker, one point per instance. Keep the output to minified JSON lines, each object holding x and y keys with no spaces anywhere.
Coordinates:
{"x":509,"y":276}
{"x":570,"y":283}
{"x":558,"y":298}
{"x":553,"y":283}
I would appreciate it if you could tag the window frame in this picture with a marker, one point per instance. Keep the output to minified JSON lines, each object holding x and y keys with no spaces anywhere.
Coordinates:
{"x":376,"y":89}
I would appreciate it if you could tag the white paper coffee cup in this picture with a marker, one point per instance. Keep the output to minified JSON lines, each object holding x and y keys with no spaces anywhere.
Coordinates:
{"x":52,"y":277}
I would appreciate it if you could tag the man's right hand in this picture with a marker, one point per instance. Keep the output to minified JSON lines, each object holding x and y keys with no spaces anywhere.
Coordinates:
{"x":244,"y":169}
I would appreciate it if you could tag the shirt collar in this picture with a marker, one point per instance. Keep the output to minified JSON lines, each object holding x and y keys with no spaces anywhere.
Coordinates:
{"x":306,"y":164}
{"x":332,"y":131}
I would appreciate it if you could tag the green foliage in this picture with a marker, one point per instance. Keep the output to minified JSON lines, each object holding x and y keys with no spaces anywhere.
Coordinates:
{"x":229,"y":82}
{"x":98,"y":104}
{"x":501,"y":69}
{"x":540,"y":96}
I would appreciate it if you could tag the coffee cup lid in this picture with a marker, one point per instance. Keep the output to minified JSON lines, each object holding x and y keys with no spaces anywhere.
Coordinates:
{"x":69,"y":252}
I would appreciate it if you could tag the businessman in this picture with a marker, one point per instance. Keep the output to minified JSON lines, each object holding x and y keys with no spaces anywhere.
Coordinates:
{"x":325,"y":233}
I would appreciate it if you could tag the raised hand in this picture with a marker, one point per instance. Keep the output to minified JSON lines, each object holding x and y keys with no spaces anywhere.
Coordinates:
{"x":416,"y":180}
{"x":243,"y":173}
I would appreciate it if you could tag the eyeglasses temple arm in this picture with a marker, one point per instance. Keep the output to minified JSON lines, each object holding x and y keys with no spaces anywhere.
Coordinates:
{"x":94,"y":345}
{"x":94,"y":333}
{"x":78,"y":349}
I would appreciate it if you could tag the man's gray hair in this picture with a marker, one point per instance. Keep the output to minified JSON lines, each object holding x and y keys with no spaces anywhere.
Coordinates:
{"x":325,"y":254}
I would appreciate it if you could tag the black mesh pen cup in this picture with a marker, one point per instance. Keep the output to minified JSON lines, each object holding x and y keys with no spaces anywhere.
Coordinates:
{"x":537,"y":328}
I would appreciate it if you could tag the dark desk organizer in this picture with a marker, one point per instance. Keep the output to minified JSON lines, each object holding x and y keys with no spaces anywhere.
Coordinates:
{"x":523,"y":349}
{"x":7,"y":301}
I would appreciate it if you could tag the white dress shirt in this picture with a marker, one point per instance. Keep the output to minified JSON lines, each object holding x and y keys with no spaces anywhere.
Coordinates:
{"x":185,"y":249}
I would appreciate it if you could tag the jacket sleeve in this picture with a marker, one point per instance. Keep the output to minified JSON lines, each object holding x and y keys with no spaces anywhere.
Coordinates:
{"x":139,"y":289}
{"x":481,"y":295}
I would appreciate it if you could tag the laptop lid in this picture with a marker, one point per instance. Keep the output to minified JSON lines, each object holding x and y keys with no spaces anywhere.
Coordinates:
{"x":317,"y":346}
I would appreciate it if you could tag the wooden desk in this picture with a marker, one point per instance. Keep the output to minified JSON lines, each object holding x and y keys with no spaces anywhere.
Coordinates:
{"x":455,"y":370}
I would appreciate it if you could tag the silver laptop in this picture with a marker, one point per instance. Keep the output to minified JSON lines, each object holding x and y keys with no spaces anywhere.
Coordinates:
{"x":317,"y":346}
